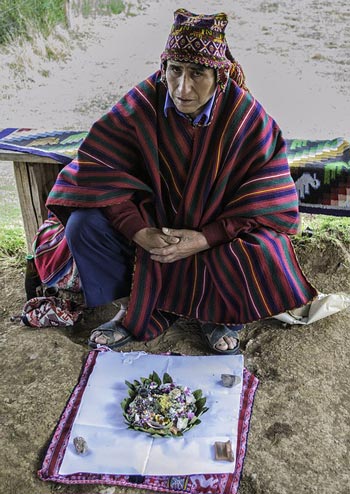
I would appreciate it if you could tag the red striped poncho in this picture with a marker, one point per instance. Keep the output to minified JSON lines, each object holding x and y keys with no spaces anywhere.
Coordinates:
{"x":185,"y":176}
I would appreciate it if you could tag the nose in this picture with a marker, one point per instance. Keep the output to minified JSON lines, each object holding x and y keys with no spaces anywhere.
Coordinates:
{"x":184,"y":86}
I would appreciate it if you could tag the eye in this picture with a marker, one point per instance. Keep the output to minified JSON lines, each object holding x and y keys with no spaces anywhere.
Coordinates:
{"x":175,"y":69}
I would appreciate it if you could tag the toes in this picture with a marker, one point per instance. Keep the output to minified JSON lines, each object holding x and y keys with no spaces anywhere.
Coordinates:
{"x":222,"y":344}
{"x":103,"y":339}
{"x":231,"y":342}
{"x":100,"y":338}
{"x":226,"y":343}
{"x":95,"y":334}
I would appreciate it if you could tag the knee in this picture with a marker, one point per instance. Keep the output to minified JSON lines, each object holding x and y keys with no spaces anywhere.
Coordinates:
{"x":82,"y":224}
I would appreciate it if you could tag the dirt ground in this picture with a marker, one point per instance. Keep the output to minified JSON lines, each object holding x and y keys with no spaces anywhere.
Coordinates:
{"x":296,"y":59}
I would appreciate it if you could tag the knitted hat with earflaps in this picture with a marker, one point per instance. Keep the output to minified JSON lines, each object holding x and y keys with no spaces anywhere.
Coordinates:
{"x":200,"y":38}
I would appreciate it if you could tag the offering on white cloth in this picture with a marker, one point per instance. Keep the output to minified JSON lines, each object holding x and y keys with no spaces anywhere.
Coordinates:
{"x":161,"y":407}
{"x":116,"y":449}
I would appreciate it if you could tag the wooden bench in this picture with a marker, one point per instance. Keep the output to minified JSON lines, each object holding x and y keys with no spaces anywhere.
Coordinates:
{"x":313,"y":163}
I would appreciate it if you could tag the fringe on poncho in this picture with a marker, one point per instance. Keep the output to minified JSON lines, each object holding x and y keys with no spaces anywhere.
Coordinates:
{"x":185,"y":176}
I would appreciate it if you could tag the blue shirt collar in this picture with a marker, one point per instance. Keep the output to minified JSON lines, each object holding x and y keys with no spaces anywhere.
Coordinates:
{"x":203,"y":117}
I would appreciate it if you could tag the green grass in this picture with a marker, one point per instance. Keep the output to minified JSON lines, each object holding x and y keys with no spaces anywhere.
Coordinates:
{"x":105,"y":7}
{"x":13,"y":247}
{"x":25,"y":18}
{"x":12,"y":237}
{"x":324,"y":227}
{"x":21,"y":18}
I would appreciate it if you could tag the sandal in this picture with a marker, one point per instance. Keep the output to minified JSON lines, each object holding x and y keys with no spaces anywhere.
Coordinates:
{"x":108,"y":330}
{"x":212,"y":333}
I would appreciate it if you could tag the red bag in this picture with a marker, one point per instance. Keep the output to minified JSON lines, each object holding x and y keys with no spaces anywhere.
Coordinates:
{"x":43,"y":312}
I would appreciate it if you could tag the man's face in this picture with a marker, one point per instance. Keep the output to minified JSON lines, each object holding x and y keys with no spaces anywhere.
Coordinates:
{"x":190,"y":86}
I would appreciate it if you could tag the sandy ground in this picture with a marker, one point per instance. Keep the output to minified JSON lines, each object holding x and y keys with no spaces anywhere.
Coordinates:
{"x":296,"y":58}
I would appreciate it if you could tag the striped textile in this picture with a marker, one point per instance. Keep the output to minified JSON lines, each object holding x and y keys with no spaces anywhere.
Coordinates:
{"x":53,"y":259}
{"x":183,"y":176}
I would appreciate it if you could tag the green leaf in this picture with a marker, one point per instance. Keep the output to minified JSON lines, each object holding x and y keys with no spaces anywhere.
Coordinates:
{"x":200,"y":404}
{"x":193,"y":421}
{"x":153,"y":431}
{"x":156,"y":378}
{"x":167,"y":378}
{"x":124,"y":404}
{"x":197,"y":394}
{"x":131,"y":386}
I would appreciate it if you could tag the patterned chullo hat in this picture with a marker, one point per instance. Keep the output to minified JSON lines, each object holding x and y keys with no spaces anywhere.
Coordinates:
{"x":201,"y":39}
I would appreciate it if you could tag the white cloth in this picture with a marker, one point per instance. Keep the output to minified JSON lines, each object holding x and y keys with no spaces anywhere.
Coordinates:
{"x":115,"y":449}
{"x":323,"y":306}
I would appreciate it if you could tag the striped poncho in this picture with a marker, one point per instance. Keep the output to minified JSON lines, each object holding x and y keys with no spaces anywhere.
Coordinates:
{"x":195,"y":177}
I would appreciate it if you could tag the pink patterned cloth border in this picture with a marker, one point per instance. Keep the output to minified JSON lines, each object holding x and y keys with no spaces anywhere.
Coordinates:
{"x":189,"y":484}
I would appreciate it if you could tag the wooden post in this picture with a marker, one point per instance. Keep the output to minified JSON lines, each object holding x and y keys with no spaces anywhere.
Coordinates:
{"x":34,"y":181}
{"x":35,"y":176}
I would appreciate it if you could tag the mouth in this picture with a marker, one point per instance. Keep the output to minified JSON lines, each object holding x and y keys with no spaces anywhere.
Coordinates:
{"x":184,"y":101}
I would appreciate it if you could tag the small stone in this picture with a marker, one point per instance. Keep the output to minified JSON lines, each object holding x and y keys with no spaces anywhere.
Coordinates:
{"x":229,"y":380}
{"x":80,"y":445}
{"x":223,"y":451}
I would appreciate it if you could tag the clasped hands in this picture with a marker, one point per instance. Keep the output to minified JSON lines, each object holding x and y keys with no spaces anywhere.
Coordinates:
{"x":168,"y":244}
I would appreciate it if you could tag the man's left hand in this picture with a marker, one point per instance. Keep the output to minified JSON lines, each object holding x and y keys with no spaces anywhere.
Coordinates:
{"x":190,"y":243}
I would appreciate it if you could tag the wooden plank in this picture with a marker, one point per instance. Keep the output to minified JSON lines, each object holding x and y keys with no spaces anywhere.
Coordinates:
{"x":24,"y":157}
{"x":34,"y":181}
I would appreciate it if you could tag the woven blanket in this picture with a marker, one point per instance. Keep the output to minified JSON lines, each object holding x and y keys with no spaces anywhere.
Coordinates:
{"x":60,"y":458}
{"x":320,"y":168}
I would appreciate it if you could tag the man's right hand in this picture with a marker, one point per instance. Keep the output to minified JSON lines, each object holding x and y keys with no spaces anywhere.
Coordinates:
{"x":153,"y":238}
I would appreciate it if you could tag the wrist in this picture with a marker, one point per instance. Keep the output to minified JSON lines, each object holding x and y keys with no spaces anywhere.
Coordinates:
{"x":139,"y":235}
{"x":203,"y":242}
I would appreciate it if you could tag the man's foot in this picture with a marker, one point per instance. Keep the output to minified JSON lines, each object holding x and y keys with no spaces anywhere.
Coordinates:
{"x":111,"y":334}
{"x":121,"y":305}
{"x":221,"y":339}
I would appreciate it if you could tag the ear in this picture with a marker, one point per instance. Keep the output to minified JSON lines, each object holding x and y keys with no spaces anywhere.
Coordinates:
{"x":163,"y":73}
